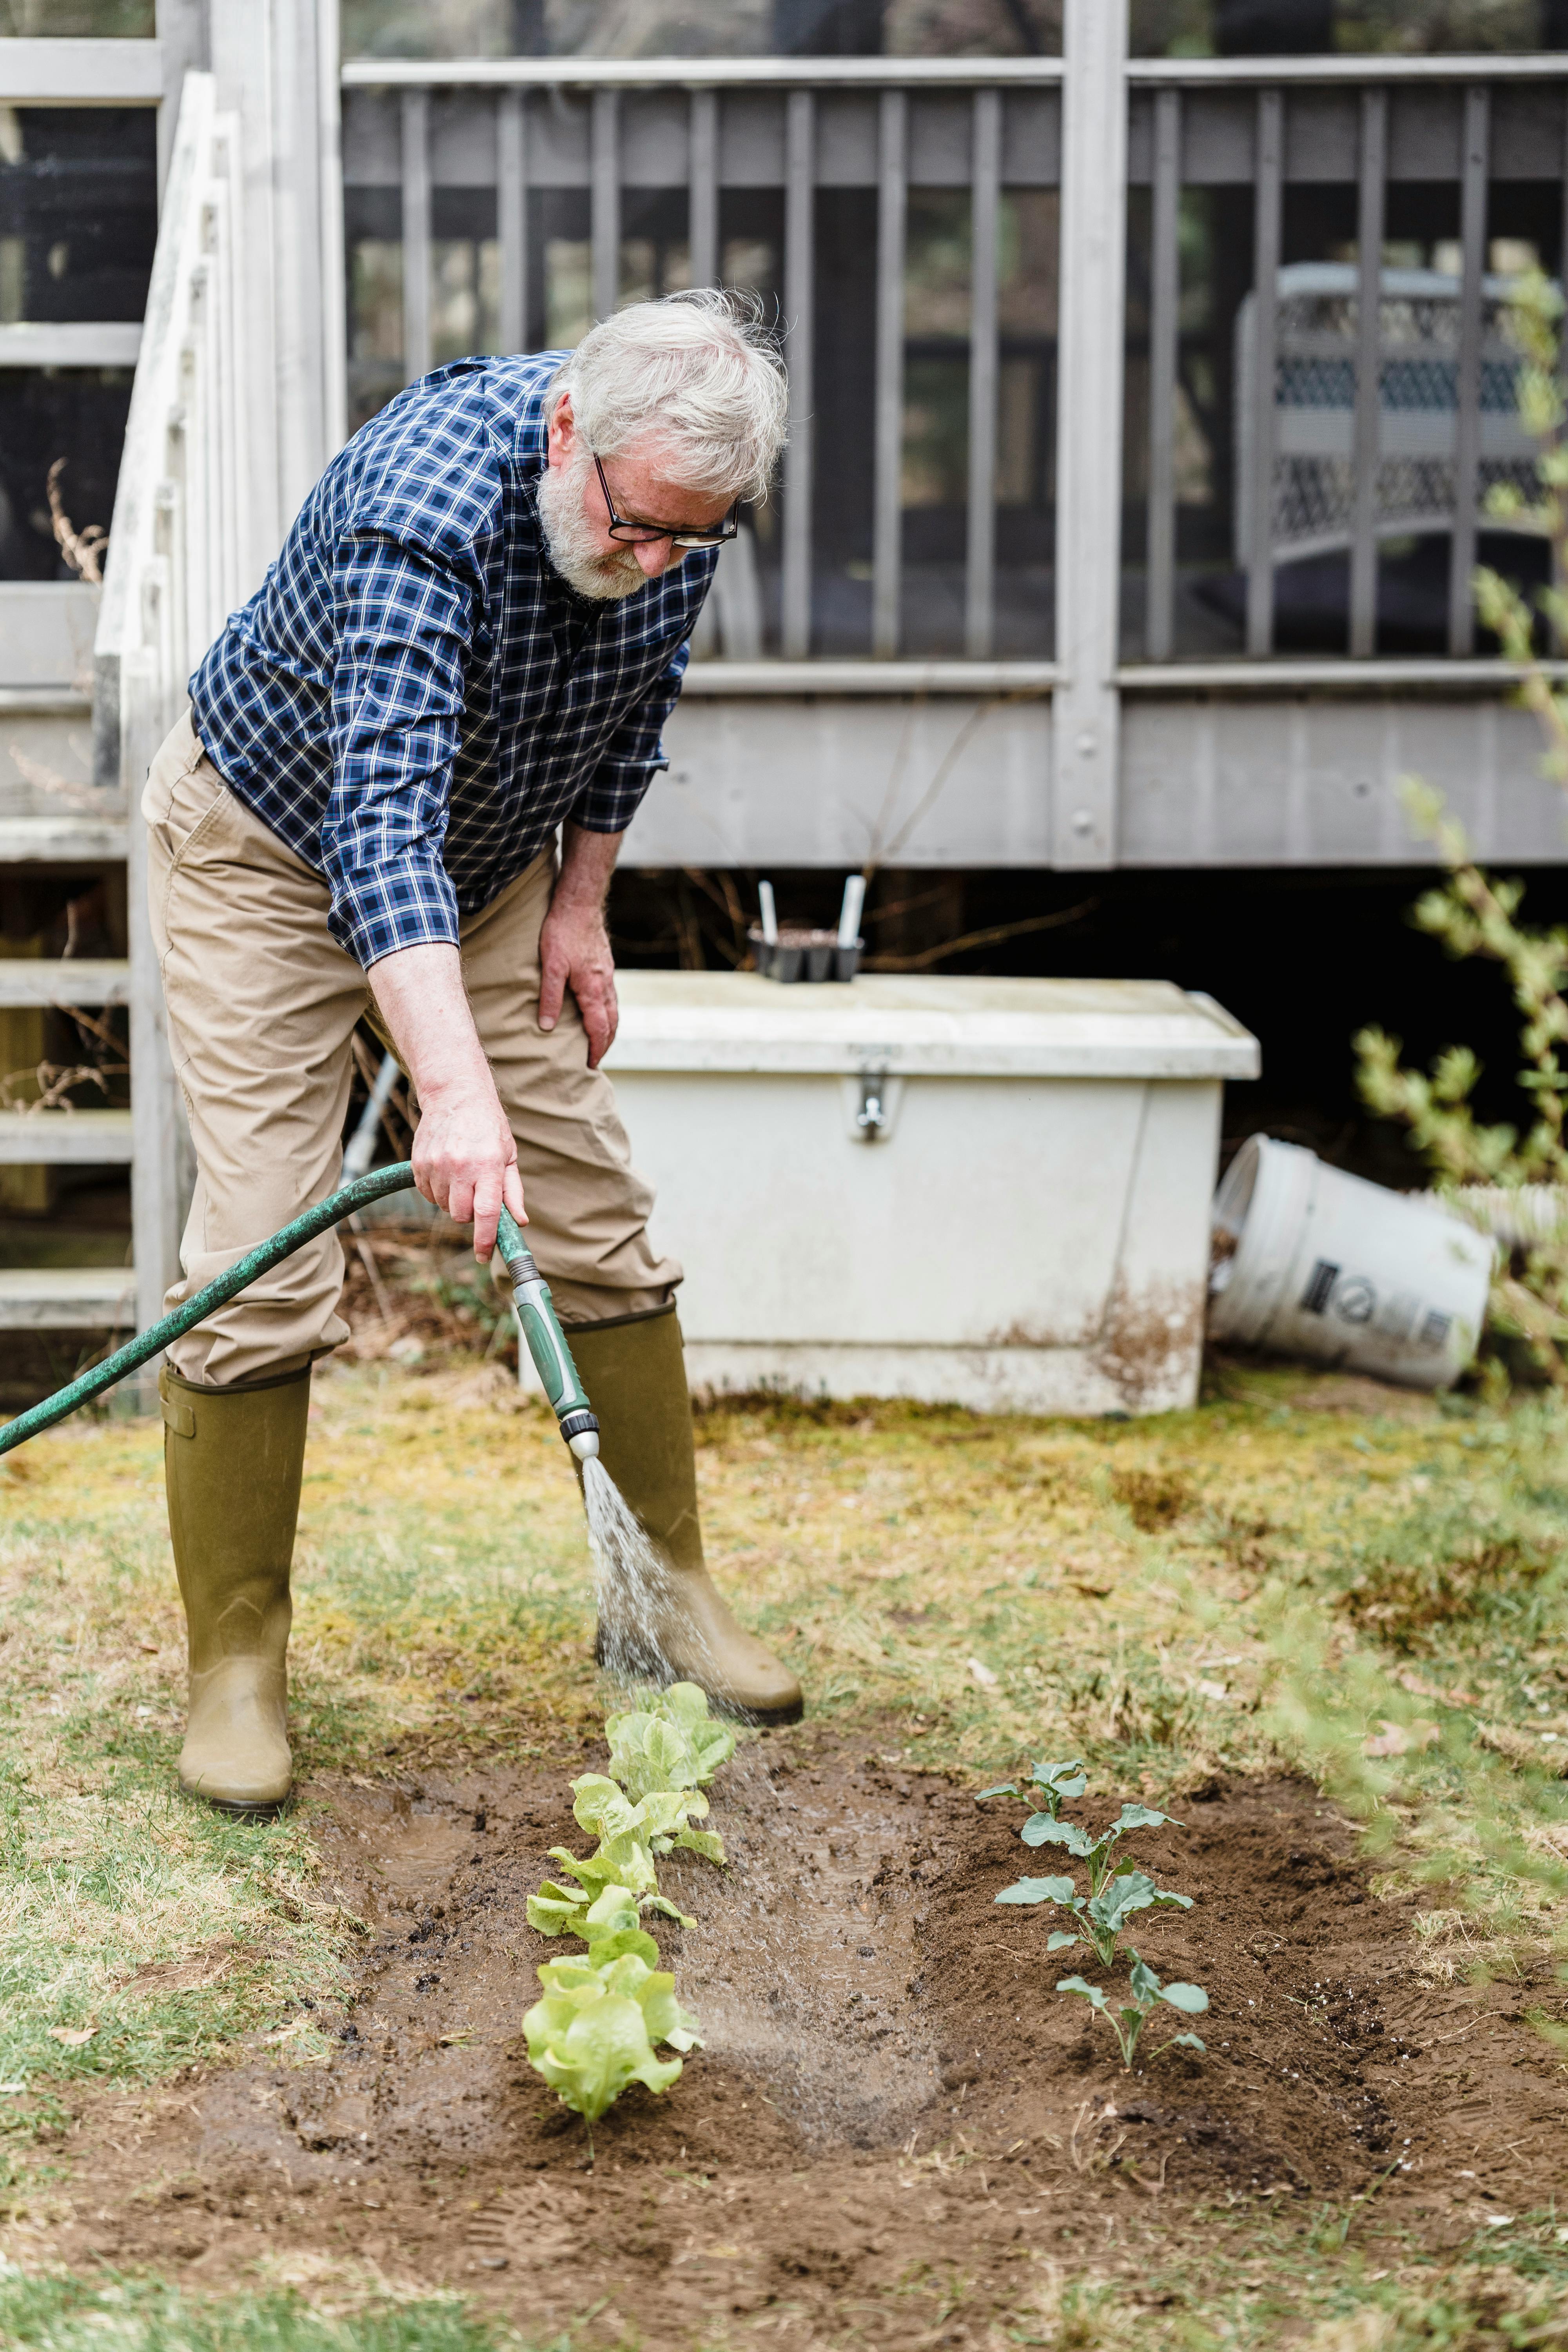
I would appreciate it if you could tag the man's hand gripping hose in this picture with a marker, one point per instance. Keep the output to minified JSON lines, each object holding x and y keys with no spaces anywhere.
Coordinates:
{"x":536,"y":1317}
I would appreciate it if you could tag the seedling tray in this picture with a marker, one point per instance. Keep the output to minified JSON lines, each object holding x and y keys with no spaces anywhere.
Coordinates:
{"x":801,"y":954}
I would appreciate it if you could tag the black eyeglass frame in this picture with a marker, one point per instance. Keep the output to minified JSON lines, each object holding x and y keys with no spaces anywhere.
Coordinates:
{"x":635,"y":534}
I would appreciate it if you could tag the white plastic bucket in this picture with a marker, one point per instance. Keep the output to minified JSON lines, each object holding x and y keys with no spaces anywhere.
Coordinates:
{"x":1311,"y":1262}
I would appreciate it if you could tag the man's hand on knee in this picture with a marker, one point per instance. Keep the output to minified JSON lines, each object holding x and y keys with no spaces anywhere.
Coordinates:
{"x":574,"y":945}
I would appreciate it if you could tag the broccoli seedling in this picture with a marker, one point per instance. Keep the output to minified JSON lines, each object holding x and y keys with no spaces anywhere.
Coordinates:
{"x":1044,"y":1829}
{"x":1128,"y":2022}
{"x":1053,"y":1784}
{"x":1103,"y":1916}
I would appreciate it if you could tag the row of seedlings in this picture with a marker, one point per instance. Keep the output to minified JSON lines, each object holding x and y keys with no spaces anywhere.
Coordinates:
{"x":1117,"y":1892}
{"x":604,"y":2013}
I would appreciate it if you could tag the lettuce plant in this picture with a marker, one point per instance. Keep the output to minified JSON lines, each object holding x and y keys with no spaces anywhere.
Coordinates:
{"x":610,"y":1919}
{"x":621,"y":1864}
{"x":662,"y":1819}
{"x":1128,"y":2022}
{"x":630,"y":1836}
{"x":1101,"y":1917}
{"x":1052,"y":1784}
{"x":595,"y":2028}
{"x":672,"y":1742}
{"x":611,"y":1927}
{"x":1044,"y":1829}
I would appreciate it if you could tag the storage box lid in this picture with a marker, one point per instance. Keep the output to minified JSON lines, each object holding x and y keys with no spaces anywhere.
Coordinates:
{"x":927,"y":1026}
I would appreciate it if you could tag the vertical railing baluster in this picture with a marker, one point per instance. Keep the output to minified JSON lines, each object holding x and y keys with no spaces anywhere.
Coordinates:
{"x":800,"y":305}
{"x":606,"y":172}
{"x":214,"y":439}
{"x":1475,"y":164}
{"x":1559,"y":577}
{"x":1165,"y":300}
{"x":1267,"y":193}
{"x":980,"y":559}
{"x":511,"y":217}
{"x":178,"y":448}
{"x":703,"y":181}
{"x":1369,"y":375}
{"x":892,"y":212}
{"x":227,"y":406}
{"x":200,"y":595}
{"x":1368,"y":372}
{"x":416,"y":345}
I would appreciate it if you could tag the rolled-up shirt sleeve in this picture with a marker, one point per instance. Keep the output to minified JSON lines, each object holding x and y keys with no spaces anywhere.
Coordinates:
{"x":634,"y":754}
{"x":404,"y":614}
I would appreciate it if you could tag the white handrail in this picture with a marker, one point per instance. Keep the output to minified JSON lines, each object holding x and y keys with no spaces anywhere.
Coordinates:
{"x":701,"y":73}
{"x":184,"y":550}
{"x":179,"y":540}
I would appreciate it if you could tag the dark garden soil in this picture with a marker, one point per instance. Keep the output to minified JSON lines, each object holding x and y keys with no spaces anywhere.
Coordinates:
{"x":895,"y":2115}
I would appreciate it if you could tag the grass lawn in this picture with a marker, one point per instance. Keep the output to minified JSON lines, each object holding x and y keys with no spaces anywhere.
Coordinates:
{"x":1366,"y":1587}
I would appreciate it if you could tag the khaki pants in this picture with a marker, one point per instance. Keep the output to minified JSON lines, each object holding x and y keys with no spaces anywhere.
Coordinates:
{"x":262,"y":1003}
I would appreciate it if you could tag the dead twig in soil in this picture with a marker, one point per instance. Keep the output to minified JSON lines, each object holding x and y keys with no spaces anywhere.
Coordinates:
{"x":1438,"y":2039}
{"x":1150,"y":2187}
{"x":1093,"y":2160}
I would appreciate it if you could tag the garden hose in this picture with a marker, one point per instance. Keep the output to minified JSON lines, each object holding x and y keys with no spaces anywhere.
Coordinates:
{"x":536,"y":1317}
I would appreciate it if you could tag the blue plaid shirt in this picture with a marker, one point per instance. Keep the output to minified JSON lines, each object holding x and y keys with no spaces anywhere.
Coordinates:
{"x":414,"y":699}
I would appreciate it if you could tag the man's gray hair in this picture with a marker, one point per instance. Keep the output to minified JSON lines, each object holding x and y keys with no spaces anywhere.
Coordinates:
{"x":698,"y":373}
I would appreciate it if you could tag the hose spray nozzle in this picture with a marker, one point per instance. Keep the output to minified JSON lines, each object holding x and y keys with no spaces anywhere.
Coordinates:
{"x":546,"y":1342}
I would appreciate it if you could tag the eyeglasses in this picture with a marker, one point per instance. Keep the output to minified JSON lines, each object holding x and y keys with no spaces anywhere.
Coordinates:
{"x":679,"y":534}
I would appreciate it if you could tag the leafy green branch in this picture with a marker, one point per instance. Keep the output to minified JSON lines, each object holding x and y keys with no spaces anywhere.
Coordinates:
{"x":1474,"y":915}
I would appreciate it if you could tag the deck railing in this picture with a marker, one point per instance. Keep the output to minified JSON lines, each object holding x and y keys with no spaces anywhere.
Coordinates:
{"x":181,"y":556}
{"x":1351,"y":425}
{"x":595,"y":149}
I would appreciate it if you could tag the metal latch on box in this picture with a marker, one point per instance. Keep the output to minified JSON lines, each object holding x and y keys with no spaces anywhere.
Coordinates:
{"x":871,"y":1118}
{"x":871,"y":1099}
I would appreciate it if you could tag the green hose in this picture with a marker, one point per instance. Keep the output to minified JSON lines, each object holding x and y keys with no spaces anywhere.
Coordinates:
{"x":546,"y":1343}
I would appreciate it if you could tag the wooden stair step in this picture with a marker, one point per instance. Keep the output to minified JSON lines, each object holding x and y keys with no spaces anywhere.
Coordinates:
{"x":68,"y":1298}
{"x":40,"y":980}
{"x":62,"y":1138}
{"x":63,"y":840}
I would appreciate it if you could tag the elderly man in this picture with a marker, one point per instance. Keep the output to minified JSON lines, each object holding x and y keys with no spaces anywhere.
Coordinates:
{"x":471,"y":639}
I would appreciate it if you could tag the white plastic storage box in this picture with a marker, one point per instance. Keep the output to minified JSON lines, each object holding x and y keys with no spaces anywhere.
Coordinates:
{"x":987,"y":1193}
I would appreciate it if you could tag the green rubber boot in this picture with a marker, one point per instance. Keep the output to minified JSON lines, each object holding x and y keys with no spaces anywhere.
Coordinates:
{"x":233,"y":1460}
{"x":635,"y":1374}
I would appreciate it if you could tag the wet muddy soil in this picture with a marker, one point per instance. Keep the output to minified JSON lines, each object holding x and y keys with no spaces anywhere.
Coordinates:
{"x":892,"y":2098}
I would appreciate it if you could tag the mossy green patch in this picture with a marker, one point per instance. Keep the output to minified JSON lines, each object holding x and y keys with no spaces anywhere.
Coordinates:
{"x":64,"y":2314}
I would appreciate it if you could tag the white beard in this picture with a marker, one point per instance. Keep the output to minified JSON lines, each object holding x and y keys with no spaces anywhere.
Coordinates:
{"x":573,"y":541}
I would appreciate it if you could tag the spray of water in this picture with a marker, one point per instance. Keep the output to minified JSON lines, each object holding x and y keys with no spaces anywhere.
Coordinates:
{"x":784,"y":1980}
{"x":646,"y":1632}
{"x":800,"y":1972}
